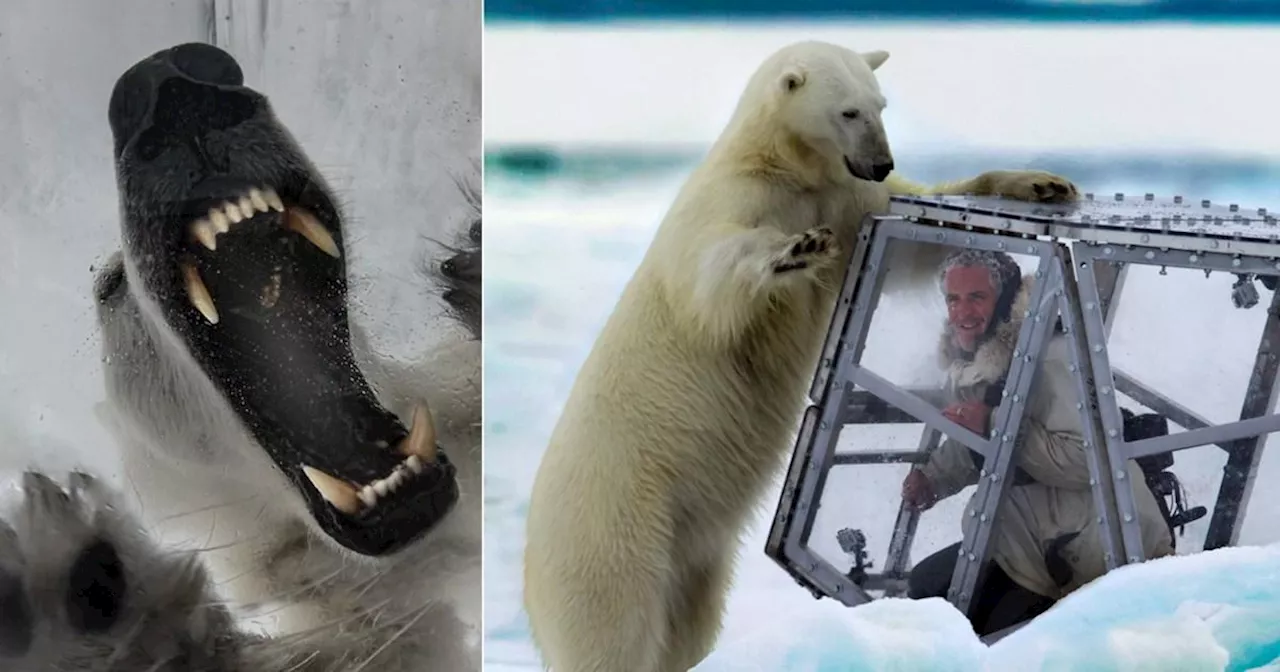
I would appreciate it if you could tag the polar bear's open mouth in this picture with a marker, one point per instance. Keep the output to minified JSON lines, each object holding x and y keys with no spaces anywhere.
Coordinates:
{"x":233,"y":241}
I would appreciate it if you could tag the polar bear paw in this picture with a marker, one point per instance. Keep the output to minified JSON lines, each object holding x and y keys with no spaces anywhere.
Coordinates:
{"x":81,"y":587}
{"x":810,"y":249}
{"x":1036,"y":186}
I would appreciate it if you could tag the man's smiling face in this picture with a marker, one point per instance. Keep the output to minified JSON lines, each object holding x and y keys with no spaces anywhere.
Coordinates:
{"x":971,"y":302}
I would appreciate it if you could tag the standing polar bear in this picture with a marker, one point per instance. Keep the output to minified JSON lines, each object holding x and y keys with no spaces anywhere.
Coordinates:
{"x":682,"y":412}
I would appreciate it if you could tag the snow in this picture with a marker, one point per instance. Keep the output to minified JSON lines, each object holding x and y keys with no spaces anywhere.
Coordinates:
{"x":1213,"y":611}
{"x":561,"y":247}
{"x":1208,"y":612}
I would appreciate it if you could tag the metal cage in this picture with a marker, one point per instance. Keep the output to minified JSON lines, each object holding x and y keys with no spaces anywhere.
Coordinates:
{"x":1083,"y":252}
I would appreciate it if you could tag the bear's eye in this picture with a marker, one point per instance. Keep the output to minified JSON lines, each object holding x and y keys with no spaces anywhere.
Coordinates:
{"x":850,"y":114}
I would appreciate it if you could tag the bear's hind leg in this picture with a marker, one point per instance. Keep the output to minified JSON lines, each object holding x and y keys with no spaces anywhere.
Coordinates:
{"x":697,"y":613}
{"x":609,"y":619}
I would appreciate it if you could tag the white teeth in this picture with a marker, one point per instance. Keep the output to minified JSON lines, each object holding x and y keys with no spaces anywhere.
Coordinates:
{"x":198,"y":294}
{"x":255,"y":197}
{"x":220,"y":220}
{"x":306,"y":224}
{"x":272,"y":198}
{"x":421,"y":442}
{"x":234,"y":211}
{"x":371,"y":493}
{"x":420,"y":449}
{"x":205,"y":233}
{"x":339,"y":493}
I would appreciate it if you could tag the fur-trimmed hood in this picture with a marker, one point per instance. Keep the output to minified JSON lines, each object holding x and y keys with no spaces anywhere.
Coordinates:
{"x":991,"y":362}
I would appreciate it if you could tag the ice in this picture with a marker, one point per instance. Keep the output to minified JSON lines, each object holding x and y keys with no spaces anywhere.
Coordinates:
{"x":1211,"y":612}
{"x":883,"y":635}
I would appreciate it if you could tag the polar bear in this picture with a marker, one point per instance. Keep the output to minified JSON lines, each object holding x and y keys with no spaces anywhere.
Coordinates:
{"x":274,"y":459}
{"x":681,"y":414}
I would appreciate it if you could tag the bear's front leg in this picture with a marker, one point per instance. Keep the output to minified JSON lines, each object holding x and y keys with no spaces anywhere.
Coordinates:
{"x":83,"y":588}
{"x":734,"y":272}
{"x":750,"y":264}
{"x":811,"y":248}
{"x":1036,"y":186}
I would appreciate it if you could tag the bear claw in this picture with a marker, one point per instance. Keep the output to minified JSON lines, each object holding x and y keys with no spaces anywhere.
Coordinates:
{"x":1054,"y":191}
{"x":811,"y":245}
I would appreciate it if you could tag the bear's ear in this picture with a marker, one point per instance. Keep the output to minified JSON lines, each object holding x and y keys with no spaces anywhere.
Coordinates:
{"x":790,"y":80}
{"x":875,"y":59}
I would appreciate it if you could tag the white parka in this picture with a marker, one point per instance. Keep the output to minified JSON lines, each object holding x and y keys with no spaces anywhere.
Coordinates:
{"x":1051,"y":451}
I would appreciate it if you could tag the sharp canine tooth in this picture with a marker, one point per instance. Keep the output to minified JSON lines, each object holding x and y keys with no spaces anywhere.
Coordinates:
{"x":233,"y":212}
{"x":199,"y":294}
{"x":255,"y":197}
{"x":368,"y":496}
{"x":414,"y":464}
{"x":341,"y":495}
{"x":381,"y":488}
{"x":246,"y":207}
{"x":306,"y":224}
{"x":421,"y":442}
{"x":273,"y":199}
{"x":204,"y":233}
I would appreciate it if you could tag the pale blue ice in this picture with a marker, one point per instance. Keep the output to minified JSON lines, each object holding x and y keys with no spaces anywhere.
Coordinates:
{"x":1208,"y":612}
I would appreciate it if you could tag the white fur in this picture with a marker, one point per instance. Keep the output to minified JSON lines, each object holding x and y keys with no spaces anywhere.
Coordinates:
{"x":202,"y":481}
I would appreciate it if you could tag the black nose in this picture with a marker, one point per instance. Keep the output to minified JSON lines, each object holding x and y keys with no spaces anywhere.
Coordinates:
{"x":880,"y":171}
{"x":178,"y":93}
{"x":207,"y":64}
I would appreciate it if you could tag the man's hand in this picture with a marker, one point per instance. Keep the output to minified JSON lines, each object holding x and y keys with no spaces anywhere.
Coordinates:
{"x":972,"y":415}
{"x":917,"y":491}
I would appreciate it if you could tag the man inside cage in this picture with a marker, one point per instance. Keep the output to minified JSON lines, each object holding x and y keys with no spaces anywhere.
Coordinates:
{"x":1047,"y":540}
